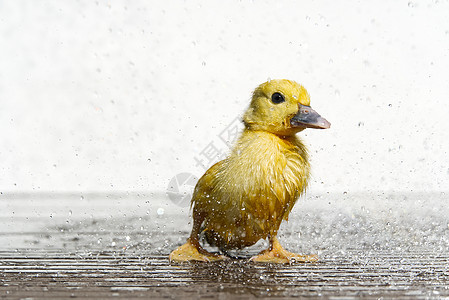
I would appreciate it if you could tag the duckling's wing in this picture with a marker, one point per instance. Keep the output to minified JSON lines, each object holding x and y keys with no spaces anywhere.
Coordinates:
{"x":207,"y":196}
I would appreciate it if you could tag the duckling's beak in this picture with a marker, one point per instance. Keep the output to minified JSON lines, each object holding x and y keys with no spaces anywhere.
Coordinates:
{"x":309,"y":118}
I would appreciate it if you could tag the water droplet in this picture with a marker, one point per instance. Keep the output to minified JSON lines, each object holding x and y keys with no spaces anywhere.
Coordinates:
{"x":160,"y":211}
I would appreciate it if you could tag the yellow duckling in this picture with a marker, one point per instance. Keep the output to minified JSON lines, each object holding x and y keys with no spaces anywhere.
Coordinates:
{"x":245,"y":197}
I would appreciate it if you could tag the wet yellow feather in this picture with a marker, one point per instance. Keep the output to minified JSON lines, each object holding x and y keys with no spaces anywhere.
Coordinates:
{"x":246,"y":196}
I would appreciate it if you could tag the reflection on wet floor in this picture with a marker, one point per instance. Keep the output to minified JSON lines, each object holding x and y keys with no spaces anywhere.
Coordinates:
{"x":317,"y":225}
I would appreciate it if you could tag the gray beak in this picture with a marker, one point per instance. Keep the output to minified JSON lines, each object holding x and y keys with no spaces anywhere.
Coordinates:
{"x":309,"y":118}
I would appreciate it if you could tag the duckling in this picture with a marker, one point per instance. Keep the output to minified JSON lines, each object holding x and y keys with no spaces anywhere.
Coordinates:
{"x":245,"y":197}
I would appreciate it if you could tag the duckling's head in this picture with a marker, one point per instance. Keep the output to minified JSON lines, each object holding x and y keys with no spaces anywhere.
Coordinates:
{"x":282,"y":107}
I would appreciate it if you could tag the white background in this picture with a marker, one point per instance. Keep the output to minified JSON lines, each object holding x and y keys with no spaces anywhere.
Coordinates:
{"x":122,"y":96}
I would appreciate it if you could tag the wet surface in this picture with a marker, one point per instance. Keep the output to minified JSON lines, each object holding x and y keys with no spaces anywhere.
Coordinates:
{"x":106,"y":274}
{"x":117,"y":246}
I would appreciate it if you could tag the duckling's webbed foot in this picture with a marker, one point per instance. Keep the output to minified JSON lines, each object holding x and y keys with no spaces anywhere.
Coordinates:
{"x":277,"y":254}
{"x":192,"y":251}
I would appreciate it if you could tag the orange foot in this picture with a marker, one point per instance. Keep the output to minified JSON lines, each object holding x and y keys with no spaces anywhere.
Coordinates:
{"x":278,"y":255}
{"x":191,"y":252}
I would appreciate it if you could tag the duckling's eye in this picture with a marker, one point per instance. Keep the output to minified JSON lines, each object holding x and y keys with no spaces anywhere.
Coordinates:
{"x":277,"y":98}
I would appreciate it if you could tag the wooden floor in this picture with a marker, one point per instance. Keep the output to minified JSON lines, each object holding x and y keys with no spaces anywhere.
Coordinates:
{"x":117,"y":247}
{"x":59,"y":274}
